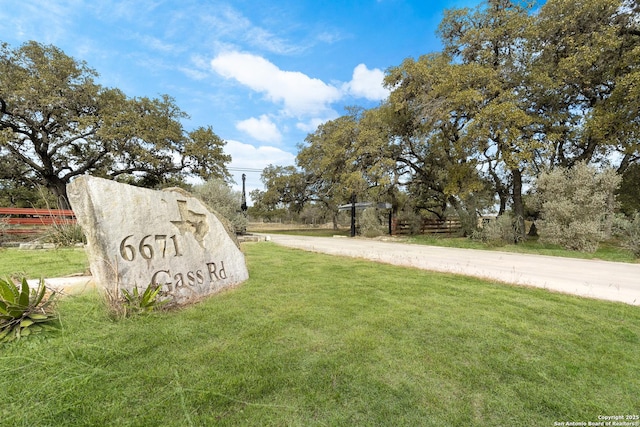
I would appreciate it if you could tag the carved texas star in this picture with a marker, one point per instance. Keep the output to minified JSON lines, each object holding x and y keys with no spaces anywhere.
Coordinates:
{"x":191,"y":222}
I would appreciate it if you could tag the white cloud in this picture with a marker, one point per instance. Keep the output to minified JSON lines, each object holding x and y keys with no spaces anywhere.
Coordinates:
{"x":329,"y":38}
{"x":367,"y":83}
{"x":247,"y":156}
{"x":157,"y":44}
{"x":261,"y":129}
{"x":193,"y":73}
{"x":198,"y":68}
{"x":308,"y":99}
{"x":227,"y":22}
{"x":300,"y":94}
{"x":128,"y":10}
{"x":46,"y":22}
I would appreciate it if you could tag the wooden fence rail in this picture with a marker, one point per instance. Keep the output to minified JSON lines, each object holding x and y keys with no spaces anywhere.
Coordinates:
{"x":428,"y":226}
{"x":26,"y":221}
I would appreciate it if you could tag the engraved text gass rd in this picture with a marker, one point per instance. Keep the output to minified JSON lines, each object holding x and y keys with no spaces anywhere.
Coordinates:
{"x":153,"y":247}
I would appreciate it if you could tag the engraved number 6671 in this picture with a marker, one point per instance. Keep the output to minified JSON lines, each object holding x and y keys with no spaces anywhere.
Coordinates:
{"x":147,"y":249}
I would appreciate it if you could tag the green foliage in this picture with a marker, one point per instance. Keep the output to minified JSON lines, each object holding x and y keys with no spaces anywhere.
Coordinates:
{"x":428,"y":98}
{"x":122,"y":303}
{"x":584,"y":79}
{"x":204,"y":155}
{"x":461,"y":120}
{"x":628,"y":231}
{"x":285,"y":186}
{"x":632,"y":236}
{"x":315,"y":214}
{"x":135,"y":303}
{"x":65,"y":235}
{"x":56,"y":123}
{"x":328,"y":161}
{"x":221,"y":199}
{"x":576,"y":206}
{"x":350,"y":157}
{"x":371,"y":225}
{"x":629,"y":192}
{"x":18,"y":186}
{"x":24,"y":311}
{"x":499,"y":231}
{"x":412,"y":218}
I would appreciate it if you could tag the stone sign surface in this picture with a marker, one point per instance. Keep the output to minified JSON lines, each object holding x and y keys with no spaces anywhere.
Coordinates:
{"x":137,"y":237}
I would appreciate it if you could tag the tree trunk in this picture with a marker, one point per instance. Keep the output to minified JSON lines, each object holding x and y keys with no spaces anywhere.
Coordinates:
{"x":518,"y":205}
{"x":503,"y":202}
{"x":468,"y":216}
{"x":59,"y":190}
{"x":624,"y":164}
{"x":502,"y":191}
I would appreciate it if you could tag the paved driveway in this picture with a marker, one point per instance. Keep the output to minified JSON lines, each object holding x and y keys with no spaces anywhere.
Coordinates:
{"x":612,"y":281}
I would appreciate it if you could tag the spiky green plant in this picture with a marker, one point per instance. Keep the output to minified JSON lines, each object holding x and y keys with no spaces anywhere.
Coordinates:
{"x":24,"y":311}
{"x":139,"y":303}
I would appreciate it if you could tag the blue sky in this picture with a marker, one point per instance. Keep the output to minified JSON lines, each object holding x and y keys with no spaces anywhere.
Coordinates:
{"x":262,"y":74}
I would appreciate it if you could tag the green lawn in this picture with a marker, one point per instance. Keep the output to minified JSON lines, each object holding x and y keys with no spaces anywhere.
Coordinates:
{"x":34,"y":264}
{"x":313,"y":339}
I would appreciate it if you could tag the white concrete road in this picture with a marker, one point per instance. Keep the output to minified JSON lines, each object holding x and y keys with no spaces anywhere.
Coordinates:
{"x":614,"y":281}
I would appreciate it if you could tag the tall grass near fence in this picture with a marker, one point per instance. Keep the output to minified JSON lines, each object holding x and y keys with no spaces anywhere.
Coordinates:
{"x":312,"y":339}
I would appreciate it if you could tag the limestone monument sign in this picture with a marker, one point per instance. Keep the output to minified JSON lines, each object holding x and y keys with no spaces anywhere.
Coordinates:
{"x":137,"y":237}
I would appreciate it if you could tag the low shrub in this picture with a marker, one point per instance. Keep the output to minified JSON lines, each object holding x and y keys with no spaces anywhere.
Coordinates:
{"x":370,"y":224}
{"x":583,"y":236}
{"x":128,"y":304}
{"x":221,"y":199}
{"x":498,"y":232}
{"x":628,"y":231}
{"x":576,"y":206}
{"x":65,"y":234}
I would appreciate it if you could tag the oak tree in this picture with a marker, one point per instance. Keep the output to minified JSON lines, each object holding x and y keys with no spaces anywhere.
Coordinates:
{"x":433,"y":101}
{"x":56,"y":121}
{"x":327,"y":161}
{"x":285,"y":186}
{"x":585,"y":81}
{"x":493,"y":37}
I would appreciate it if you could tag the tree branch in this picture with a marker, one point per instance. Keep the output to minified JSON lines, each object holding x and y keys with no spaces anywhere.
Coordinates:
{"x":38,"y":168}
